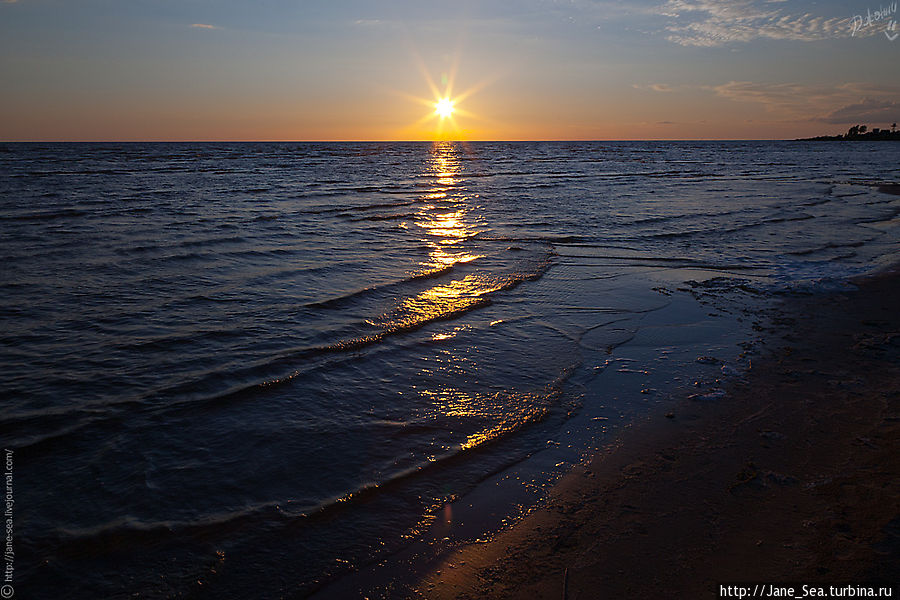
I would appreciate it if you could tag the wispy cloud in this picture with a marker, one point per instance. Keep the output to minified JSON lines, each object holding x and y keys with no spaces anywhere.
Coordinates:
{"x":9,"y":1}
{"x":847,"y":103}
{"x":203,"y":26}
{"x":867,"y":110}
{"x":655,"y":87}
{"x":713,"y":23}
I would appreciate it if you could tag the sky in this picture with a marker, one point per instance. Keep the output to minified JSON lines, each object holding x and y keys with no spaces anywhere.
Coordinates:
{"x":130,"y":70}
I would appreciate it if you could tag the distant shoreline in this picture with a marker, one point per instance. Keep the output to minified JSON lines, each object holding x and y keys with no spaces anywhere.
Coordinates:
{"x":838,"y":138}
{"x":857,"y":134}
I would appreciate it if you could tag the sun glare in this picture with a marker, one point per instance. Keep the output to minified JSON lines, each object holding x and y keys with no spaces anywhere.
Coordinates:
{"x":444,"y":107}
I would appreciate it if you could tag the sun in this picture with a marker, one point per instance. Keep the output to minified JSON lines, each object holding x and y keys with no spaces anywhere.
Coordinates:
{"x":444,"y":107}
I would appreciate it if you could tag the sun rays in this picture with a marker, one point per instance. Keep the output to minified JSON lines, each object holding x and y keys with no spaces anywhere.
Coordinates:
{"x":444,"y":106}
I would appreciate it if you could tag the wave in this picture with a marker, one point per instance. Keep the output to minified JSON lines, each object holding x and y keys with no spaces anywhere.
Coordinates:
{"x":682,"y":217}
{"x":662,"y":261}
{"x":342,"y":300}
{"x":45,"y":215}
{"x":212,"y":255}
{"x":394,"y":323}
{"x":349,"y":210}
{"x":128,"y":533}
{"x":399,"y":321}
{"x":212,"y":241}
{"x":831,"y":246}
{"x":548,"y":239}
{"x":394,"y":217}
{"x":719,"y":230}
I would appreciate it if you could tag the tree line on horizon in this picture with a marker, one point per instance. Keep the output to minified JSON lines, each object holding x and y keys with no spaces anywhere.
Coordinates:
{"x":862,"y":132}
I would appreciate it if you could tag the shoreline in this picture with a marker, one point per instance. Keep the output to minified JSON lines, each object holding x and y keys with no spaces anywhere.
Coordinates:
{"x":669,"y":337}
{"x":793,"y":476}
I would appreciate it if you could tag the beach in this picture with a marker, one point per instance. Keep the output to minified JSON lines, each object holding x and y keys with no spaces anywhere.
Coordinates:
{"x":792,"y":476}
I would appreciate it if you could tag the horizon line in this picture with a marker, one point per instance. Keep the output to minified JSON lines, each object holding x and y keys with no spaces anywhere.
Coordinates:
{"x":373,"y":141}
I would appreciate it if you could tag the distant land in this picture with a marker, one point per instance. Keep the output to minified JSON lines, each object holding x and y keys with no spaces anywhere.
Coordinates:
{"x":859,"y":133}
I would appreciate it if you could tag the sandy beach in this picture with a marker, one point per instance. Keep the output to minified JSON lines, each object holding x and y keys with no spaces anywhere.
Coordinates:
{"x":793,"y":476}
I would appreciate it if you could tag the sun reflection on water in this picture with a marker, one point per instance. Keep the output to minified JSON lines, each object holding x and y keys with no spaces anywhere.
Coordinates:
{"x":444,"y":165}
{"x":448,"y":223}
{"x":462,"y":390}
{"x":444,"y":162}
{"x":449,"y":226}
{"x":444,"y":218}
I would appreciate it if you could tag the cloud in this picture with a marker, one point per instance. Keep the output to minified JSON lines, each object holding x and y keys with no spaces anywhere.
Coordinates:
{"x":847,"y":103}
{"x":711,"y":23}
{"x":655,"y":87}
{"x":203,"y":26}
{"x":776,"y":97}
{"x":9,"y":1}
{"x":867,"y":110}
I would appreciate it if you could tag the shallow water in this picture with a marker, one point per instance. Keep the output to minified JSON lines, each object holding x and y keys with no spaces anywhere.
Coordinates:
{"x":258,"y":365}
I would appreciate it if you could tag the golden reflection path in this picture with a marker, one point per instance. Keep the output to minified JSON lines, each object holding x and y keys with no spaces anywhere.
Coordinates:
{"x":447,"y":222}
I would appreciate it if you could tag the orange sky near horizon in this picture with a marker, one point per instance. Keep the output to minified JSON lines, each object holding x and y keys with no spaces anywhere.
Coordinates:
{"x":390,"y":117}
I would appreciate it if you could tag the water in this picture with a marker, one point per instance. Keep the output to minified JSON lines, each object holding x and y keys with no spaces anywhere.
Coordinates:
{"x":240,"y":370}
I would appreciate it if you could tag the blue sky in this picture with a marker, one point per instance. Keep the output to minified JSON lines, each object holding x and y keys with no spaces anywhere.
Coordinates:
{"x":529,"y":69}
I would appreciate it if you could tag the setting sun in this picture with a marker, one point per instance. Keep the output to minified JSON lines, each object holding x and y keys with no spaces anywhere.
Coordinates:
{"x":444,"y":107}
{"x":445,"y":119}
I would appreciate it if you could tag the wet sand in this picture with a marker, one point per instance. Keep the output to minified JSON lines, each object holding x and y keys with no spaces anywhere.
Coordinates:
{"x":793,"y":476}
